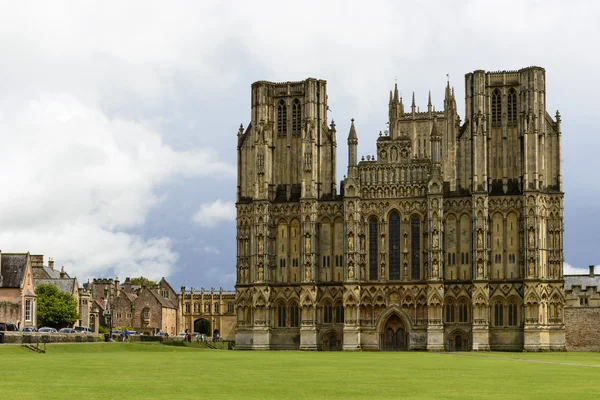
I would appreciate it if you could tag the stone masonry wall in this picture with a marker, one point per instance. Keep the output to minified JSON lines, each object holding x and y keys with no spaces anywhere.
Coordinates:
{"x":582,"y":326}
{"x":10,"y":312}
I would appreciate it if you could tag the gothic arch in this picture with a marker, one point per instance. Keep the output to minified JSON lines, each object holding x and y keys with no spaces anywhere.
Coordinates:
{"x":394,"y":309}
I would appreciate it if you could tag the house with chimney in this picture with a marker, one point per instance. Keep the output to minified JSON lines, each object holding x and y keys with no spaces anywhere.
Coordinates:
{"x":18,"y":302}
{"x":582,"y":311}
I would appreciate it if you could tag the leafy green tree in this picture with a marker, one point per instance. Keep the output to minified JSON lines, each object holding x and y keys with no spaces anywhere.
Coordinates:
{"x":140,"y":280}
{"x":55,"y":308}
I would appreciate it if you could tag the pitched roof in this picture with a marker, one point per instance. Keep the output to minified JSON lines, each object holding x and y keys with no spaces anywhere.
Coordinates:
{"x":130,"y":296}
{"x":99,"y":303}
{"x":584,"y":281}
{"x":46,"y":273}
{"x":163,"y":302}
{"x":12,"y":269}
{"x":66,"y":285}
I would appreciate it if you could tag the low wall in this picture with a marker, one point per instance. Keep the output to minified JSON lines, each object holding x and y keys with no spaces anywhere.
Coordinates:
{"x":36,"y":337}
{"x":582,"y":328}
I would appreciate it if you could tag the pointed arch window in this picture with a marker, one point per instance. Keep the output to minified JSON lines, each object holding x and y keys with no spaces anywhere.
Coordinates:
{"x":512,"y":106}
{"x":415,"y":241}
{"x":339,"y":313}
{"x":463,"y":314}
{"x":296,"y":118}
{"x":327,"y":313}
{"x":499,"y":313}
{"x":281,"y":309}
{"x":282,"y":118}
{"x":512,"y":313}
{"x":373,"y":249}
{"x":496,"y":108}
{"x":394,"y":246}
{"x":294,"y":316}
{"x":449,"y":312}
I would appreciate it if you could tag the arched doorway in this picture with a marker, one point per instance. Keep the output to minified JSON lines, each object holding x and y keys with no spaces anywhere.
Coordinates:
{"x":202,"y":326}
{"x":458,"y":341}
{"x":331,"y":342}
{"x":393,"y":337}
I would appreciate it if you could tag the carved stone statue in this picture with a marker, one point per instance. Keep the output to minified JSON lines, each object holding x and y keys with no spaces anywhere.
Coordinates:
{"x":351,"y":271}
{"x":261,"y":273}
{"x":480,"y":268}
{"x":531,"y":238}
{"x":307,"y":244}
{"x":405,"y":271}
{"x":351,"y":243}
{"x":362,"y":244}
{"x":436,"y":240}
{"x":479,"y":239}
{"x":307,"y":272}
{"x":531,"y":267}
{"x":435,"y":269}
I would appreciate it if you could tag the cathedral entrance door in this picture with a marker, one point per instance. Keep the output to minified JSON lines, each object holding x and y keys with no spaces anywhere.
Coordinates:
{"x":458,"y":343}
{"x":394,"y":335}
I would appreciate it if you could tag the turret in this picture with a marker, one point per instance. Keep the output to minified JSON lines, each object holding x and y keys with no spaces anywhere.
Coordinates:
{"x":413,"y":106}
{"x":352,"y":144}
{"x":436,"y":143}
{"x":429,"y":103}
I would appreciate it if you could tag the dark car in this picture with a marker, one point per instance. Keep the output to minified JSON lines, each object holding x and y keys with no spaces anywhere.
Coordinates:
{"x":67,"y":330}
{"x":29,"y":329}
{"x":8,"y":327}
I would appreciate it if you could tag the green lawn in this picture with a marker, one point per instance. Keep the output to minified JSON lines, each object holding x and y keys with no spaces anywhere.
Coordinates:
{"x":153,"y":371}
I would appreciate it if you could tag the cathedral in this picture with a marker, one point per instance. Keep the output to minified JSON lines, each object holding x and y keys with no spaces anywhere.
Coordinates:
{"x":449,"y":238}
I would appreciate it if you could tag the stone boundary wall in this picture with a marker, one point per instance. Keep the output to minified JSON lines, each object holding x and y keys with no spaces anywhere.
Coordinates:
{"x":35,"y":337}
{"x":10,"y":312}
{"x":582,"y":328}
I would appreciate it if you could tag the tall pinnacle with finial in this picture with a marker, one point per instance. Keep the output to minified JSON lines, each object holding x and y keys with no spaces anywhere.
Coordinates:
{"x":429,"y":103}
{"x":352,"y":144}
{"x":413,"y":106}
{"x":396,"y":93}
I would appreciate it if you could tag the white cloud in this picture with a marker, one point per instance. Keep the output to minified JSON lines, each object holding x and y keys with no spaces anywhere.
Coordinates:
{"x":568,"y":269}
{"x":75,"y":182}
{"x":210,"y":214}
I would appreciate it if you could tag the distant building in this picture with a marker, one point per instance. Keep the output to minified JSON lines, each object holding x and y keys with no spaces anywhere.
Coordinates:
{"x":582,"y":311}
{"x":207,"y":311}
{"x":18,"y":302}
{"x":146,"y":309}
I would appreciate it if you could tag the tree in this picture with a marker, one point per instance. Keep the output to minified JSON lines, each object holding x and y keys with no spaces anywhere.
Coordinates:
{"x":140,"y":280}
{"x":55,"y":308}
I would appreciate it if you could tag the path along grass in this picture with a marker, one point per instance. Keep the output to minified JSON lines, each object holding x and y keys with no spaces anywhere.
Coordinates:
{"x":154,"y":371}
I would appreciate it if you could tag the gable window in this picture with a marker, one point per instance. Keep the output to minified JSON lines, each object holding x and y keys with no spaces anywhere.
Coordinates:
{"x":146,"y":313}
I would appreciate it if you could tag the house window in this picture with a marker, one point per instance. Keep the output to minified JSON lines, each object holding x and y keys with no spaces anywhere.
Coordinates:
{"x":294,"y":316}
{"x":230,"y":308}
{"x":146,"y":313}
{"x":583,"y":301}
{"x":28,"y":312}
{"x":216,"y":308}
{"x":207,"y":308}
{"x":187,"y":307}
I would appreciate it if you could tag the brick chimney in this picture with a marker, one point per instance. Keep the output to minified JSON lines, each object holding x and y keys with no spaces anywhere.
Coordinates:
{"x":591,"y":271}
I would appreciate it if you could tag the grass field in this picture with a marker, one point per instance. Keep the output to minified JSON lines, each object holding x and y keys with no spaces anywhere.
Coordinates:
{"x":154,"y":371}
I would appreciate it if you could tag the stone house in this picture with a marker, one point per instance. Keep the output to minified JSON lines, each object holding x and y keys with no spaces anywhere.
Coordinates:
{"x":18,"y":302}
{"x":582,"y":311}
{"x":146,"y":309}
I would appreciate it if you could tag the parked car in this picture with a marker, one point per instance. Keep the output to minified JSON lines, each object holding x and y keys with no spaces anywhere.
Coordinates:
{"x":182,"y":334}
{"x":83,"y":329}
{"x":45,"y":329}
{"x":116,"y":332}
{"x":8,"y":327}
{"x":67,"y":330}
{"x":29,"y":329}
{"x":163,"y":334}
{"x":133,"y":333}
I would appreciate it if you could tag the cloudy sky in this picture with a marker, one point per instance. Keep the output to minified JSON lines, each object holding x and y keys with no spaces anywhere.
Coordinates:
{"x":118,"y":120}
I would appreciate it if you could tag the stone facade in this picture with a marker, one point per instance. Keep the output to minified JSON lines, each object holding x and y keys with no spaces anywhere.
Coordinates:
{"x":18,"y":302}
{"x":205,"y":311}
{"x":582,"y":311}
{"x":450,"y":237}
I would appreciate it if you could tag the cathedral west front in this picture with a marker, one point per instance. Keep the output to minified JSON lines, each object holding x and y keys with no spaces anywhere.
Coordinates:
{"x":450,"y":237}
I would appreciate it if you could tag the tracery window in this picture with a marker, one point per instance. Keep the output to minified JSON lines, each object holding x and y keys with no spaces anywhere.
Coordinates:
{"x":296,"y":117}
{"x":282,"y":118}
{"x":512,"y":313}
{"x":373,"y":251}
{"x":496,"y":108}
{"x":294,"y":316}
{"x":499,"y":314}
{"x":463,"y":313}
{"x":281,"y":315}
{"x":512,"y":106}
{"x":394,"y":246}
{"x":416,"y":247}
{"x":327,"y":313}
{"x":450,"y":312}
{"x":339,"y":313}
